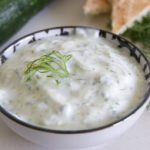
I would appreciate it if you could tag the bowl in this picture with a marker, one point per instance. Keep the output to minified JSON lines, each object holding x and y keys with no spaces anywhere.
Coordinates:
{"x":80,"y":139}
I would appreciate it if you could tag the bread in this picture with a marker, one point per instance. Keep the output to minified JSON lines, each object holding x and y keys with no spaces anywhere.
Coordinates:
{"x":126,"y":12}
{"x":95,"y":7}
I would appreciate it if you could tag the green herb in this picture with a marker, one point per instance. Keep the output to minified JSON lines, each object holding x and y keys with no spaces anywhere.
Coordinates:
{"x":52,"y":64}
{"x":140,"y":32}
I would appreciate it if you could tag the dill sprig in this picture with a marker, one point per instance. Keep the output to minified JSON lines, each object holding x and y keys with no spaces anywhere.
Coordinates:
{"x":52,"y":64}
{"x":140,"y":32}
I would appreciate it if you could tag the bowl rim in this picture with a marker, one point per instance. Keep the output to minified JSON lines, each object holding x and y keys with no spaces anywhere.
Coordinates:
{"x":38,"y":128}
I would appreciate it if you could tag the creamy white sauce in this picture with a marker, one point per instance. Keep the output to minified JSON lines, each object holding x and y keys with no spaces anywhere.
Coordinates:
{"x":104,"y":85}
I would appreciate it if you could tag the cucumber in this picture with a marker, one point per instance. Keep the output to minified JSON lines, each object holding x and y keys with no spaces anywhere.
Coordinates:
{"x":15,"y":13}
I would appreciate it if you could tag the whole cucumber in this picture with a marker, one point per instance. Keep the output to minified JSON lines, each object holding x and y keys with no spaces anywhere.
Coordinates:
{"x":15,"y":13}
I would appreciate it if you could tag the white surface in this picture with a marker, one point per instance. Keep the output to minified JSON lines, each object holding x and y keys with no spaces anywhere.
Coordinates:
{"x":137,"y":138}
{"x":69,"y":12}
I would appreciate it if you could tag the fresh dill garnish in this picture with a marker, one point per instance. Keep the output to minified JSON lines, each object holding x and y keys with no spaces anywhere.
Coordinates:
{"x":140,"y":32}
{"x":52,"y":64}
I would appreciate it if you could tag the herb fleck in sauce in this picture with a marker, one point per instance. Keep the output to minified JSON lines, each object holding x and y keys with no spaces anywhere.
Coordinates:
{"x":104,"y":84}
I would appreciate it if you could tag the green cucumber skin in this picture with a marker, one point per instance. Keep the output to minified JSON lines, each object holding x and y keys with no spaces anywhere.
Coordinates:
{"x":15,"y":13}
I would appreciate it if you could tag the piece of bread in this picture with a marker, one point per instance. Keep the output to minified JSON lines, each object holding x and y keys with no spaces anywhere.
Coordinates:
{"x":126,"y":12}
{"x":95,"y":7}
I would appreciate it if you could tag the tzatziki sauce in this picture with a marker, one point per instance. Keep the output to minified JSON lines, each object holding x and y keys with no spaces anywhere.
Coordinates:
{"x":104,"y":84}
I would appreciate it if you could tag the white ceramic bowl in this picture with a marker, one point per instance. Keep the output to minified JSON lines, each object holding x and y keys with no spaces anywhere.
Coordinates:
{"x":83,"y":139}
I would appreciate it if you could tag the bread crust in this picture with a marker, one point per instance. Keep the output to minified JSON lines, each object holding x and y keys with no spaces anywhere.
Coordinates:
{"x":125,"y":12}
{"x":95,"y":7}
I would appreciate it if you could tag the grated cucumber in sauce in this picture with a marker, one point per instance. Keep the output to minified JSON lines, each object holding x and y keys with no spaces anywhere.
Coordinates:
{"x":104,"y":84}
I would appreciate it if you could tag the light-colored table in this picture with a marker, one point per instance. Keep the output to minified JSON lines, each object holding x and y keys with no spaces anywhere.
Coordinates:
{"x":69,"y":12}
